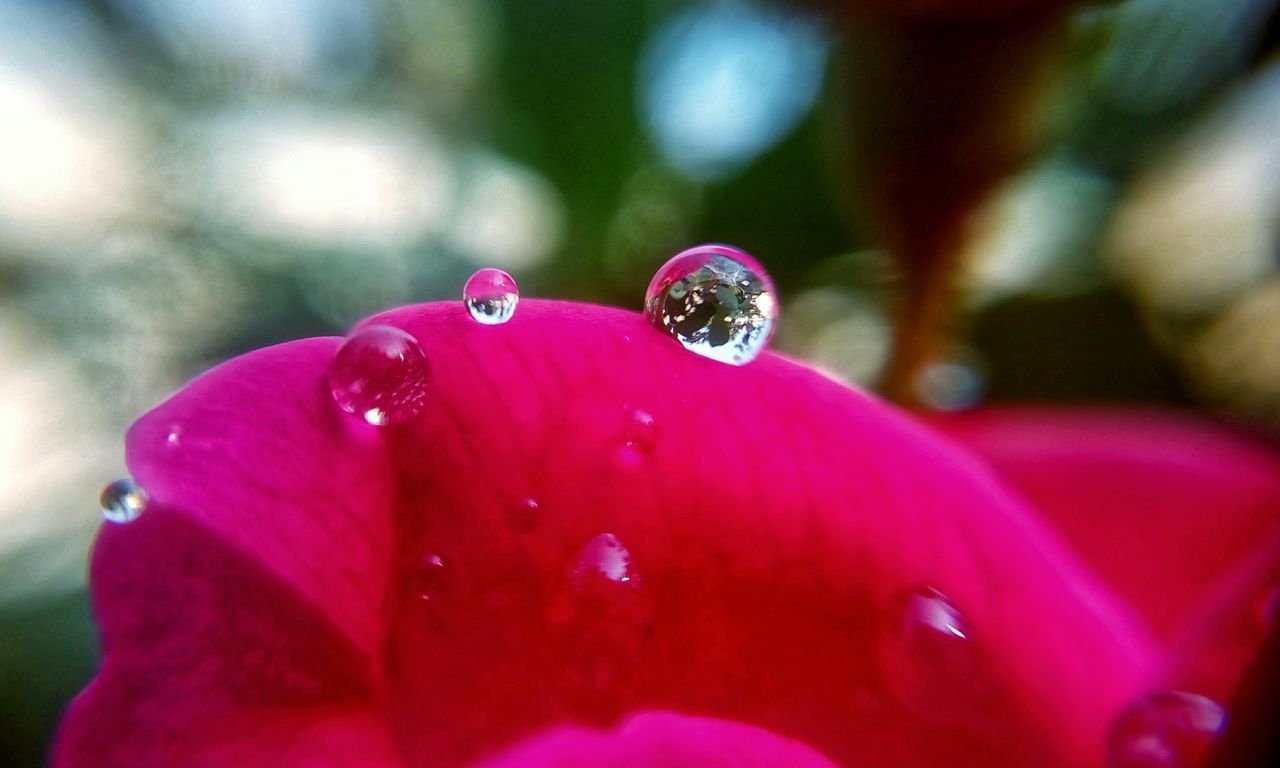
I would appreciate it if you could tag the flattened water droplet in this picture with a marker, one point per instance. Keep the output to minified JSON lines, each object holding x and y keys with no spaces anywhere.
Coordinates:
{"x":604,"y":616}
{"x":122,"y":501}
{"x":931,"y":662}
{"x":491,"y":296}
{"x":380,"y":374}
{"x":432,"y":577}
{"x":1167,"y":729}
{"x":716,"y":301}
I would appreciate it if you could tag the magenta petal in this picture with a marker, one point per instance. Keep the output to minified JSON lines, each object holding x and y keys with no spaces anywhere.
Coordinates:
{"x":660,"y":740}
{"x":257,"y":453}
{"x":768,"y":524}
{"x":1180,"y":515}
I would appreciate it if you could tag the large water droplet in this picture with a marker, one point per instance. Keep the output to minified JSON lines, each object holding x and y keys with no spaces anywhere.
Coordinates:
{"x":491,"y":296}
{"x":716,"y":301}
{"x":604,"y":616}
{"x":122,"y":501}
{"x":1167,"y":729}
{"x":432,"y":577}
{"x":380,"y":374}
{"x":931,"y":661}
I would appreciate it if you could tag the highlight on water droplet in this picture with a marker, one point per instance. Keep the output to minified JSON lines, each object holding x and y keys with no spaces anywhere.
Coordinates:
{"x":639,"y":436}
{"x":491,"y":296}
{"x":122,"y":501}
{"x":1165,"y":729}
{"x":931,"y":662}
{"x":431,"y":577}
{"x":525,"y":514}
{"x":380,"y":374}
{"x":715,"y":300}
{"x":603,"y":617}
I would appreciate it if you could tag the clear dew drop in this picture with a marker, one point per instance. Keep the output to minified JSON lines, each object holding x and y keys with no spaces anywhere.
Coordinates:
{"x":380,"y":374}
{"x":931,"y":661}
{"x":491,"y":296}
{"x":122,"y":501}
{"x":1166,"y":729}
{"x":604,"y":615}
{"x":716,"y":301}
{"x":432,"y":577}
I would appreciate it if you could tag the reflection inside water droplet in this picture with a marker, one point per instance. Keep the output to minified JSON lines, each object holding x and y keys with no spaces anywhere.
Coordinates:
{"x":491,"y":296}
{"x":380,"y":374}
{"x":1166,"y":729}
{"x":122,"y":501}
{"x":716,"y":301}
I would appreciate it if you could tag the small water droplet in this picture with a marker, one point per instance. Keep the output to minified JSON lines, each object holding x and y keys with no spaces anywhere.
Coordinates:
{"x":122,"y":501}
{"x":931,"y":662}
{"x":716,"y":301}
{"x":174,"y":438}
{"x":380,"y":374}
{"x":432,"y":577}
{"x":491,"y":296}
{"x":525,"y":515}
{"x":604,"y":616}
{"x":1166,"y":729}
{"x":639,"y":436}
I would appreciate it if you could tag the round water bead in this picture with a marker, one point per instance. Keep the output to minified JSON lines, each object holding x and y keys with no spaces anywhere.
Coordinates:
{"x":491,"y":296}
{"x":122,"y":501}
{"x":380,"y":374}
{"x":716,"y":301}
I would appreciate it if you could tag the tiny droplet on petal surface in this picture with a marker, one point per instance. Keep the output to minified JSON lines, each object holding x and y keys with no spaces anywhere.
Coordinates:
{"x":715,"y":300}
{"x":122,"y":501}
{"x":525,"y":514}
{"x":639,"y":436}
{"x":491,"y":296}
{"x":380,"y":374}
{"x":1166,"y":729}
{"x":432,"y":577}
{"x":604,"y":616}
{"x":931,"y":661}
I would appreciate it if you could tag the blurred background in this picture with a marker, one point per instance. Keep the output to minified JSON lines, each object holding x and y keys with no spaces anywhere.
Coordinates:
{"x":1097,"y":185}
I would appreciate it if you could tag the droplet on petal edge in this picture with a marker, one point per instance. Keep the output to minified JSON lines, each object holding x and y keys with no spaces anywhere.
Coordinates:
{"x":931,"y":661}
{"x":432,"y":577}
{"x":122,"y":501}
{"x":491,"y":296}
{"x":716,"y":300}
{"x":380,"y":374}
{"x":1166,"y":729}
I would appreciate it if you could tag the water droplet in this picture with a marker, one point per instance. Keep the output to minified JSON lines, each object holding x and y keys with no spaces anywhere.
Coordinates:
{"x":931,"y":662}
{"x":432,"y":577}
{"x":122,"y":501}
{"x":716,"y":301}
{"x":380,"y":374}
{"x":525,"y":515}
{"x":639,"y":436}
{"x":174,"y":438}
{"x":1167,"y":729}
{"x":604,"y":616}
{"x":491,"y":296}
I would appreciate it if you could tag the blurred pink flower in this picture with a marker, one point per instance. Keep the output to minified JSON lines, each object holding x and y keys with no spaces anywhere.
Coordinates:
{"x":592,"y":547}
